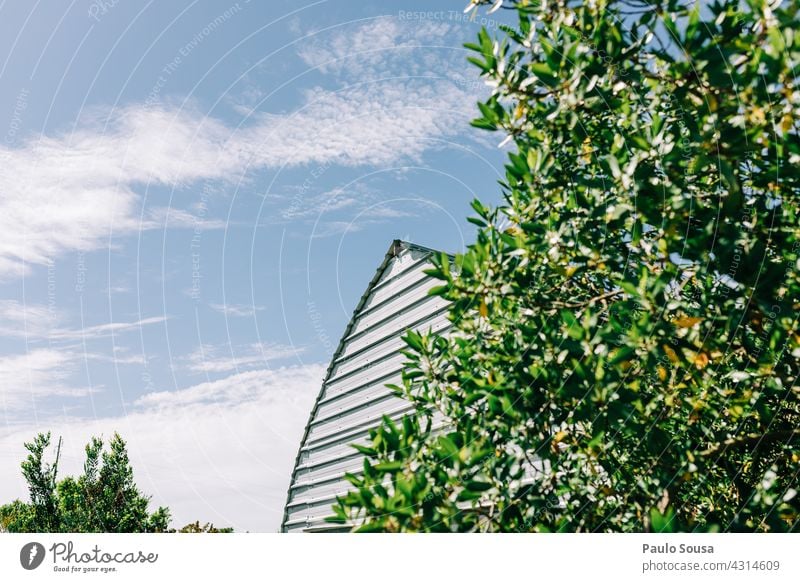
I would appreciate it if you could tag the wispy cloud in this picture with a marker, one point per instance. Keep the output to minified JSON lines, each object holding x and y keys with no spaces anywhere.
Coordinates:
{"x":161,"y":217}
{"x":236,"y":309}
{"x":387,"y":46}
{"x":308,"y":205}
{"x":28,"y":378}
{"x":211,"y":359}
{"x":53,"y":354}
{"x":34,"y":321}
{"x":103,"y":330}
{"x":26,"y":320}
{"x":121,"y":356}
{"x":350,"y":208}
{"x":231,"y":391}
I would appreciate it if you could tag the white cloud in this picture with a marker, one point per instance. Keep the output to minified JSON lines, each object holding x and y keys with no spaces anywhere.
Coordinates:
{"x":162,"y":217}
{"x":219,"y":451}
{"x":68,"y":191}
{"x":328,"y":228}
{"x":369,"y":215}
{"x":385,"y":213}
{"x":121,"y":356}
{"x":386,"y":45}
{"x":305,"y":204}
{"x":34,"y":321}
{"x":210,"y":359}
{"x":236,"y":309}
{"x":247,"y":387}
{"x":27,"y":380}
{"x":71,"y":191}
{"x":369,"y":124}
{"x":104,"y":329}
{"x":26,"y":320}
{"x":363,"y":205}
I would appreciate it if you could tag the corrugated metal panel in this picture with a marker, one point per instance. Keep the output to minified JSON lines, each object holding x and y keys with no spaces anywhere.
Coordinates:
{"x":354,"y":396}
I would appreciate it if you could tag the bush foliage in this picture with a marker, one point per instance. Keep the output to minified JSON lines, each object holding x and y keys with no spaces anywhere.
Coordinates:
{"x":624,"y":353}
{"x":104,"y":499}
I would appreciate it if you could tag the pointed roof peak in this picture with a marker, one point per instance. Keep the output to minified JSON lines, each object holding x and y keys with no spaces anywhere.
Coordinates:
{"x":399,"y":245}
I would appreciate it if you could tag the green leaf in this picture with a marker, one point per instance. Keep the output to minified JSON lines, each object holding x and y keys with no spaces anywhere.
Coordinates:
{"x":544,"y":73}
{"x":448,"y":446}
{"x":662,"y":522}
{"x":368,"y":451}
{"x":479,"y":486}
{"x":414,"y":340}
{"x":468,"y":495}
{"x":389,"y":466}
{"x":439,"y":290}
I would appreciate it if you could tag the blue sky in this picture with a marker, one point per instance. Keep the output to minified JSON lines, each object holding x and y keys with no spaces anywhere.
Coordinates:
{"x":193,"y":196}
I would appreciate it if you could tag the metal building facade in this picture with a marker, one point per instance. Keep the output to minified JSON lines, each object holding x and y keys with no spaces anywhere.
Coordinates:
{"x":354,"y":397}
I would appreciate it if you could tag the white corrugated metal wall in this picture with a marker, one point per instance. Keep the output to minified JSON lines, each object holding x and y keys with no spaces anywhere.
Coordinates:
{"x":354,"y":396}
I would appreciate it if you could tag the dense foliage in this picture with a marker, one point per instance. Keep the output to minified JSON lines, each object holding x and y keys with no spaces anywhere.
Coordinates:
{"x":104,"y":499}
{"x":624,"y":353}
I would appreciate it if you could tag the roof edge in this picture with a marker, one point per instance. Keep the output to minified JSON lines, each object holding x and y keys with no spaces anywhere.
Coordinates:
{"x":395,"y":249}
